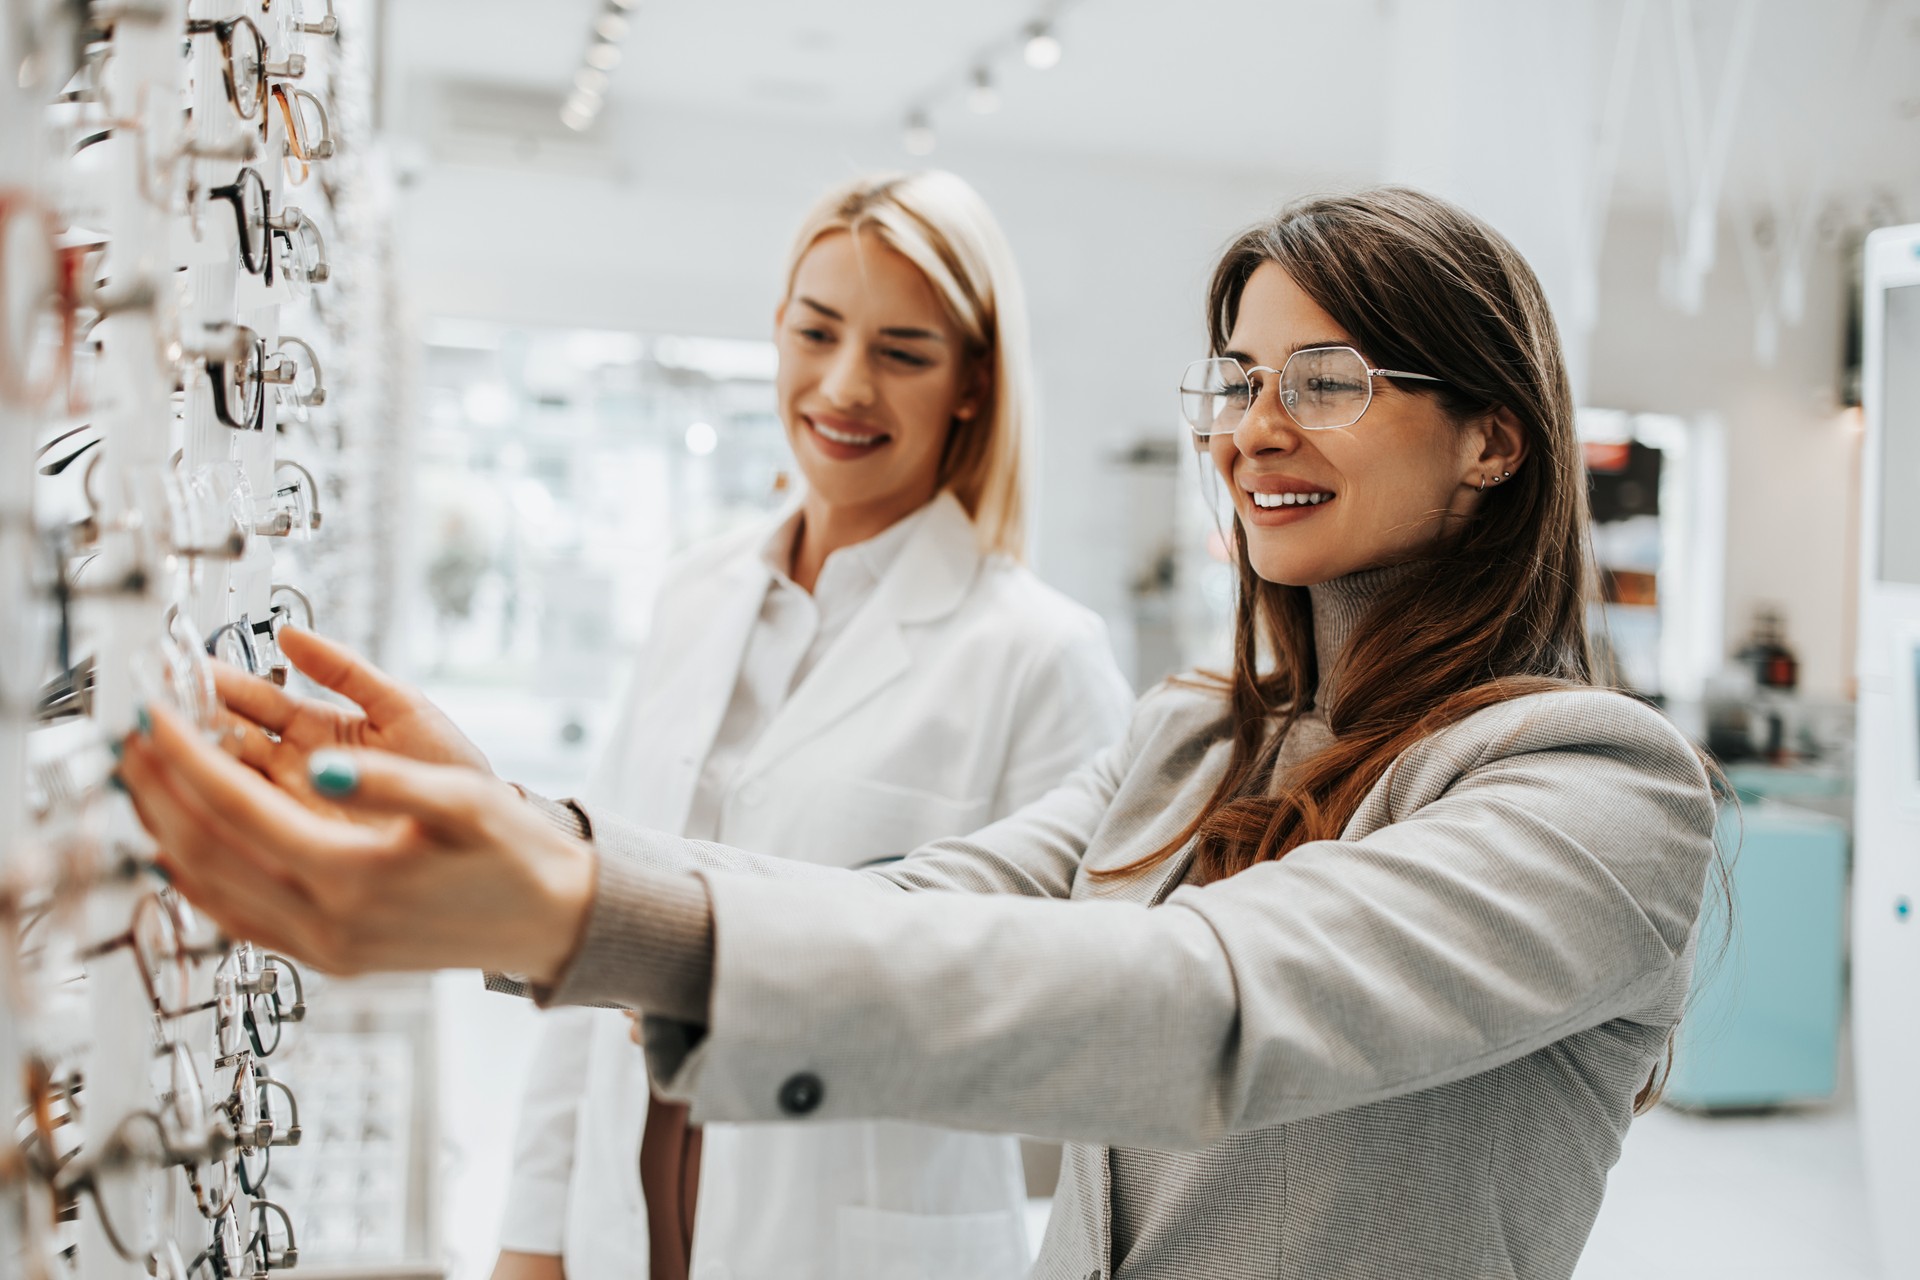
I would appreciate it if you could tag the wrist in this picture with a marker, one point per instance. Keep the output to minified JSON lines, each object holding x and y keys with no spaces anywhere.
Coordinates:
{"x":564,"y":902}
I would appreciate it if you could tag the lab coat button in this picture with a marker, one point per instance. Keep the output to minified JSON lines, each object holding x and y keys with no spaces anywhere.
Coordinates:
{"x":801,"y":1093}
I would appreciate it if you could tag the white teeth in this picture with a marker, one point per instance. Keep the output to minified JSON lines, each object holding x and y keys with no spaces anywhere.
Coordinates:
{"x":1290,"y":499}
{"x":842,"y":437}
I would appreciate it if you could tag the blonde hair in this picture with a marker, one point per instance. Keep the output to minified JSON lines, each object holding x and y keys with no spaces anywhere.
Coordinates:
{"x":940,"y":224}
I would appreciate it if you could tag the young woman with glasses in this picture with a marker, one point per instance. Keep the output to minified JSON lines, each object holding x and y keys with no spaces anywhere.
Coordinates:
{"x":1356,"y":960}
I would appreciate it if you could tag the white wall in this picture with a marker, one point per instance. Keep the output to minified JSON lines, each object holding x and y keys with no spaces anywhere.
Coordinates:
{"x":1792,"y":455}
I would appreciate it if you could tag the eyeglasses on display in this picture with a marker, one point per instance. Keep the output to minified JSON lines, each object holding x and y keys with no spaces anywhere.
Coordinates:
{"x":244,"y":68}
{"x":1320,"y":388}
{"x":37,"y":288}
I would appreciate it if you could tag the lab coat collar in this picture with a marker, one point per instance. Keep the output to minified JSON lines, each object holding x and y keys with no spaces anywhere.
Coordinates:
{"x":930,"y":576}
{"x":925,"y":583}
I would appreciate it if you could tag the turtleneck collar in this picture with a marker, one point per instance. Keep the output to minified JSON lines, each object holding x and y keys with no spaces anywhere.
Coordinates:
{"x":1338,"y":607}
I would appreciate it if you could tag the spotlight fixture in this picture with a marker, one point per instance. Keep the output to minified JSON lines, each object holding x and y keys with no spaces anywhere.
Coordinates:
{"x":919,"y":138}
{"x":611,"y":24}
{"x":1043,"y":47}
{"x":983,"y":99}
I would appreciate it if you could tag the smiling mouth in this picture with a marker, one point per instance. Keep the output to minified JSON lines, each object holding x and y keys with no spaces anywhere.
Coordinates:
{"x":848,"y":438}
{"x":1270,"y":501}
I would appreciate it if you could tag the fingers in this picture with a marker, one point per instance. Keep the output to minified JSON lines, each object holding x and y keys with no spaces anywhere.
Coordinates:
{"x":261,"y":701}
{"x":248,"y":807}
{"x":443,"y":799}
{"x":248,"y":742}
{"x":340,"y":669}
{"x":203,"y":859}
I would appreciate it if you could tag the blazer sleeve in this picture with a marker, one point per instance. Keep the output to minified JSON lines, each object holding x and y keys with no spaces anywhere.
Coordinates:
{"x":1033,"y":853}
{"x":535,"y":1217}
{"x":1551,"y":888}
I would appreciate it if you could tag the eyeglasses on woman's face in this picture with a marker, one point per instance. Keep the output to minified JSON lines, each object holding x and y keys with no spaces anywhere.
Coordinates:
{"x":1320,"y":388}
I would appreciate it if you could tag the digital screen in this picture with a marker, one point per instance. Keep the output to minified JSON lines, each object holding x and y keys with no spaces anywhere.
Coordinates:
{"x":1900,"y":437}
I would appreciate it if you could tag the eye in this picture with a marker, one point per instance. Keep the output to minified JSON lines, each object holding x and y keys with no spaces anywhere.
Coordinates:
{"x":911,"y":359}
{"x":814,"y":334}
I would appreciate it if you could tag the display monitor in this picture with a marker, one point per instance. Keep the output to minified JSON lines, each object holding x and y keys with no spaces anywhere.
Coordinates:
{"x":1900,"y":438}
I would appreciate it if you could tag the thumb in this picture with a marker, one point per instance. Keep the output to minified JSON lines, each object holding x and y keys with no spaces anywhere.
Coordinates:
{"x":336,"y":667}
{"x":445,"y":799}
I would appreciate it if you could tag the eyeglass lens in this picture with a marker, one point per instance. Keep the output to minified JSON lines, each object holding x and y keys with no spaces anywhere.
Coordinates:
{"x":245,"y":58}
{"x":1321,"y":388}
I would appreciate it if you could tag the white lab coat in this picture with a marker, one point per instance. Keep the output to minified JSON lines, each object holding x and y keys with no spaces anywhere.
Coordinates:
{"x":963,"y":689}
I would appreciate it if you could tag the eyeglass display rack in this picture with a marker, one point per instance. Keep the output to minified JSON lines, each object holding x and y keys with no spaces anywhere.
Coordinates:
{"x":176,"y":208}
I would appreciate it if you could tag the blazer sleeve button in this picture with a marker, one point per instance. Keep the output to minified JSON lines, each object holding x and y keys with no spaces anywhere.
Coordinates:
{"x":801,"y":1093}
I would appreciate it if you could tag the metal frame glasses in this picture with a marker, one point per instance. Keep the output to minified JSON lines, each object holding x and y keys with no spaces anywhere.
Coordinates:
{"x":1321,"y":389}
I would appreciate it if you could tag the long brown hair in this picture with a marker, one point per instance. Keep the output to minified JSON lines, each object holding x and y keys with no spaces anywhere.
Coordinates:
{"x":1499,"y":610}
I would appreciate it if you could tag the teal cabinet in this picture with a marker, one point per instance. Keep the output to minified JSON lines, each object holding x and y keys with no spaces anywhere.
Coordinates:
{"x":1763,"y":1025}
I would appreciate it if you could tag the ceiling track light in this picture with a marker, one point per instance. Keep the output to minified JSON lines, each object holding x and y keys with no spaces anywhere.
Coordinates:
{"x":919,"y":138}
{"x":1036,"y":43}
{"x":610,"y":26}
{"x":1042,"y":50}
{"x":982,"y":98}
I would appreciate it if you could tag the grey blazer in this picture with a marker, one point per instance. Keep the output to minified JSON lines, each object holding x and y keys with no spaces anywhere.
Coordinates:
{"x":1409,"y":1052}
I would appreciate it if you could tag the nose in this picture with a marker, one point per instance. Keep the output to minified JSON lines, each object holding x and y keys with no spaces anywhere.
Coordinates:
{"x":1267,"y":426}
{"x":849,"y":383}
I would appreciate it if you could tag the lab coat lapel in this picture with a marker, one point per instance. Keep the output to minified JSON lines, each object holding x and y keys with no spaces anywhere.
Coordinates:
{"x":738,"y":592}
{"x":926,"y":582}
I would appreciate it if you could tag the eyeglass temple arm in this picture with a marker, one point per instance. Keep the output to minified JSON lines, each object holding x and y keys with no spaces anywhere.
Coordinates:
{"x":1402,"y":373}
{"x":322,"y":149}
{"x":313,"y":489}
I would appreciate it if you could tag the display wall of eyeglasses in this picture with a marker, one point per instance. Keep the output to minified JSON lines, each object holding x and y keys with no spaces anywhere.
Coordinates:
{"x":183,"y":215}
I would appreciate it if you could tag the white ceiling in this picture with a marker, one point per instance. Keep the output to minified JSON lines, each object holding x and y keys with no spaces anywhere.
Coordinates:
{"x":1831,"y":101}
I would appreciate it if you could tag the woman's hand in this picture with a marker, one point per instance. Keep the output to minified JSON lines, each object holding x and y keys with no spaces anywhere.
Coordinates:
{"x":468,"y":876}
{"x":392,"y":717}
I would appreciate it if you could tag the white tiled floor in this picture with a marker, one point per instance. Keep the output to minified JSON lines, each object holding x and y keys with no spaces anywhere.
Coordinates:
{"x":1723,"y":1198}
{"x":1735,"y":1198}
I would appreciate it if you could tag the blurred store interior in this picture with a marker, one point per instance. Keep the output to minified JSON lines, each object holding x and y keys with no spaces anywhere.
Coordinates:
{"x":1693,"y":181}
{"x":591,"y":392}
{"x":587,"y":205}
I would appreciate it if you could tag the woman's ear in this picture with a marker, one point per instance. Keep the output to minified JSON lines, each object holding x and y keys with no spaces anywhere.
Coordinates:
{"x":1502,"y":448}
{"x":976,"y":391}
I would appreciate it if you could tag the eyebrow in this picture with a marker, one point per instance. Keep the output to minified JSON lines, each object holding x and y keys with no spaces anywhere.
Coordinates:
{"x":892,"y":331}
{"x":1295,"y":349}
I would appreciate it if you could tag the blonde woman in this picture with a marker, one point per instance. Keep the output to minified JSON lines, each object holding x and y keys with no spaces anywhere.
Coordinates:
{"x":871,"y":669}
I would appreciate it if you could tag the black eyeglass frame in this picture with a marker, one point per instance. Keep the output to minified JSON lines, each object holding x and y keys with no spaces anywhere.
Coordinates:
{"x":257,"y":258}
{"x":240,"y":367}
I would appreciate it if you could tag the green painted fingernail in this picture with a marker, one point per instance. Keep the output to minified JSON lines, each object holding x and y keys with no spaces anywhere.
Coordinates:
{"x":144,"y":720}
{"x":113,"y":780}
{"x":117,"y":747}
{"x":159,"y":869}
{"x":333,"y":773}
